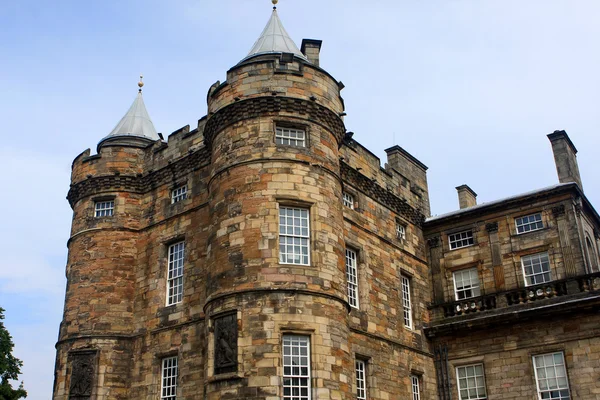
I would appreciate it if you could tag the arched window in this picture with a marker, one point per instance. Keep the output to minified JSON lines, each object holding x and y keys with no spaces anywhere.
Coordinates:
{"x":591,"y":253}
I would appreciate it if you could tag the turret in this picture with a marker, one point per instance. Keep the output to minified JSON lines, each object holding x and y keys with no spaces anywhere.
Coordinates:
{"x":276,"y":245}
{"x":101,"y":265}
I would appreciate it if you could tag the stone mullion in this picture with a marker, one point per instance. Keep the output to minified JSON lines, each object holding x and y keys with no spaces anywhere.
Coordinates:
{"x":565,"y":242}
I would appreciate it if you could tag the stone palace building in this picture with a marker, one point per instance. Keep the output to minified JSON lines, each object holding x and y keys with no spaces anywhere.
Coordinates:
{"x":265,"y":254}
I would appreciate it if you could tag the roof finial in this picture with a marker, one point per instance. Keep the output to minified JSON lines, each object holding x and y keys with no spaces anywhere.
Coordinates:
{"x":140,"y":83}
{"x":274,"y":4}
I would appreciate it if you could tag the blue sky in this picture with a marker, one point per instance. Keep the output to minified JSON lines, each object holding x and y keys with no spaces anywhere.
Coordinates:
{"x":469,"y":87}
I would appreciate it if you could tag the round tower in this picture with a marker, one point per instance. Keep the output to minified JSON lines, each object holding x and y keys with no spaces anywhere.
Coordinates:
{"x":276,"y":272}
{"x":94,"y":345}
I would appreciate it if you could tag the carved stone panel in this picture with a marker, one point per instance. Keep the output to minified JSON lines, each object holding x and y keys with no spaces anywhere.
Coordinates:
{"x":226,"y":338}
{"x":83,"y":375}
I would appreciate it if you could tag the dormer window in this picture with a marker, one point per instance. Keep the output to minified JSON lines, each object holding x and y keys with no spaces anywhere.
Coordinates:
{"x":290,"y":137}
{"x":178,"y":194}
{"x":104,"y":208}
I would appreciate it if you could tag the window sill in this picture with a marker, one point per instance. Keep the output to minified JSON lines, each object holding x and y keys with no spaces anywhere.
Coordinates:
{"x":463,"y":247}
{"x":225,"y":377}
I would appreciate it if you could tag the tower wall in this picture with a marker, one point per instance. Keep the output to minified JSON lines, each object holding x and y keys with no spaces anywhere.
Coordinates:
{"x":252,"y":178}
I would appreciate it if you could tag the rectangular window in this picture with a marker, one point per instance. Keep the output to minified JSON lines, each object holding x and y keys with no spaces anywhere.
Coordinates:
{"x":361,"y":380}
{"x":175,"y":274}
{"x":352,"y":277}
{"x":168,"y":390}
{"x":529,"y":223}
{"x":461,"y":239}
{"x":471,"y":382}
{"x":400,"y":231}
{"x":348,"y":200}
{"x":415,"y":388}
{"x":179,"y":194}
{"x":290,"y":137}
{"x":466,"y":284}
{"x":294,"y":237}
{"x":104,"y":208}
{"x":551,"y":376}
{"x":296,"y":367}
{"x":536,"y":269}
{"x":406,"y":304}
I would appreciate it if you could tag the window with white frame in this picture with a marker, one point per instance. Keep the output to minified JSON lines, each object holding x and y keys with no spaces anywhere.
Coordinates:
{"x":104,"y":208}
{"x":168,"y":389}
{"x":415,"y":387}
{"x":466,"y":284}
{"x":296,"y":367}
{"x":461,"y":239}
{"x":290,"y":136}
{"x":536,"y":269}
{"x":551,"y":376}
{"x":400,"y":231}
{"x":471,"y":382}
{"x":348,"y":200}
{"x":406,"y":302}
{"x":352,"y":277}
{"x":294,"y":236}
{"x":178,"y":194}
{"x":529,"y":223}
{"x":361,"y":379}
{"x":175,"y":273}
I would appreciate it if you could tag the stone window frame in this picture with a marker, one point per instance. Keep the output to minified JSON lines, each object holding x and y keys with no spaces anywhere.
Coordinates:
{"x":457,"y":240}
{"x":411,"y":310}
{"x":404,"y":225}
{"x":297,"y":333}
{"x":526,"y":215}
{"x":296,"y":203}
{"x":462,"y":271}
{"x":361,"y":362}
{"x":174,"y":386}
{"x":164,"y":265}
{"x":550,"y":268}
{"x":104,"y":199}
{"x":416,"y":376}
{"x":550,"y":351}
{"x":212,"y":376}
{"x":591,"y":253}
{"x":356,"y":252}
{"x":178,"y":186}
{"x":286,"y":124}
{"x":466,"y":365}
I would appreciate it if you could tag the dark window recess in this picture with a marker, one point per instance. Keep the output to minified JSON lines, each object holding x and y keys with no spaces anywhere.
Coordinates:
{"x":83,"y":374}
{"x":226,"y":336}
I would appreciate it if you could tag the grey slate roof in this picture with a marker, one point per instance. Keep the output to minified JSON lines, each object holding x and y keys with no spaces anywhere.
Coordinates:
{"x":136,"y":122}
{"x":274,"y":39}
{"x":497,"y":202}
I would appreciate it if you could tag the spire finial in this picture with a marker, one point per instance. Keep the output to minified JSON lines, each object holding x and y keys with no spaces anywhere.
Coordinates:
{"x":274,"y":4}
{"x":141,"y":83}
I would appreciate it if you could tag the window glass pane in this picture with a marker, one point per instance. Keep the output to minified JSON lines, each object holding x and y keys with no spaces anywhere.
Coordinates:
{"x":296,"y":380}
{"x":471,"y":382}
{"x":293,"y":236}
{"x":169,"y":379}
{"x":175,"y":273}
{"x":461,"y":239}
{"x":536,"y":269}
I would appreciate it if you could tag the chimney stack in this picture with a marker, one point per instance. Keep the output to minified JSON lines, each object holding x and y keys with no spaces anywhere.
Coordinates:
{"x":311,"y":48}
{"x":565,"y":158}
{"x":466,"y":196}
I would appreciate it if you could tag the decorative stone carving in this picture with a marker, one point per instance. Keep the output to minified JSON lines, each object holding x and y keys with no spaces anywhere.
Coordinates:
{"x":558,"y":210}
{"x":434,"y":241}
{"x":83,"y":374}
{"x":491,"y":227}
{"x":226,"y":337}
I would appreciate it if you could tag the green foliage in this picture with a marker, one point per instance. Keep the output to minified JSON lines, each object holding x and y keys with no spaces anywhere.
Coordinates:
{"x":10,"y":366}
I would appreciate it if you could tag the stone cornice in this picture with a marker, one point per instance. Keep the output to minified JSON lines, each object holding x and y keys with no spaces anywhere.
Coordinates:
{"x":138,"y":184}
{"x":383,"y":196}
{"x":273,"y":106}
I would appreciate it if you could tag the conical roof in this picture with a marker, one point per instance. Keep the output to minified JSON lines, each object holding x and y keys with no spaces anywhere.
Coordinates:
{"x":136,"y":122}
{"x":274,"y":39}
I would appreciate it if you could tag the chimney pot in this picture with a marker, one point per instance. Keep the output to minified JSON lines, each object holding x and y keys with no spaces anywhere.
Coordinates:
{"x":565,"y":158}
{"x":311,"y":48}
{"x":466,"y":196}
